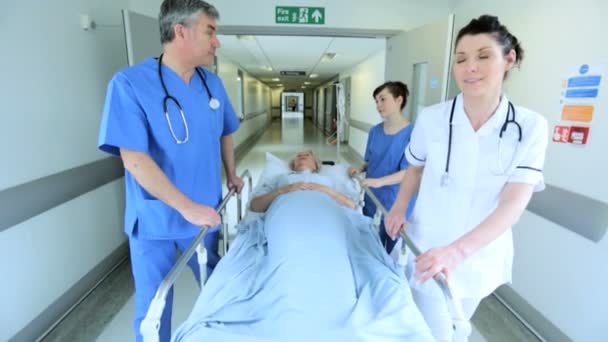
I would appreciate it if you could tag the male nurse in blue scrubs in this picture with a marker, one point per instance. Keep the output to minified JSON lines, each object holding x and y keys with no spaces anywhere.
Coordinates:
{"x":171,"y":156}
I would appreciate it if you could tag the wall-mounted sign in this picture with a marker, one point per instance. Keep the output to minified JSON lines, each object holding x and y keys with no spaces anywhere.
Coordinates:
{"x":293,"y":73}
{"x":580,"y":94}
{"x":561,"y":134}
{"x":570,"y":134}
{"x":579,"y":135}
{"x":299,"y":15}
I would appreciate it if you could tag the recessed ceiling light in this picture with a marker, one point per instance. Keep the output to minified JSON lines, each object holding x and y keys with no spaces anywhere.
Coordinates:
{"x":306,"y":82}
{"x":245,"y":37}
{"x":313,"y":75}
{"x":275,"y":79}
{"x":328,"y":56}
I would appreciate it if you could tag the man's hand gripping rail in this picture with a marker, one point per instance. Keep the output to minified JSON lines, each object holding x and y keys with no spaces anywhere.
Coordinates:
{"x":150,"y":325}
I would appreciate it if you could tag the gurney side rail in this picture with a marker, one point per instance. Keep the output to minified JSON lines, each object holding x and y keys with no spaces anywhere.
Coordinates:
{"x":462,"y":327}
{"x":150,"y":326}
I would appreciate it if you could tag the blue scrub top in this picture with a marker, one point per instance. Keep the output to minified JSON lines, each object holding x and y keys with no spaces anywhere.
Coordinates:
{"x":385,"y":155}
{"x":133,"y":118}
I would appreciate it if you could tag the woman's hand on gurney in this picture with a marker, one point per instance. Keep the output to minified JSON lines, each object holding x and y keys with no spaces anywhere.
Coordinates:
{"x":338,"y":197}
{"x":261,"y":203}
{"x":200,"y":215}
{"x":438,"y":260}
{"x":294,"y":187}
{"x":394,"y":221}
{"x":235,"y":182}
{"x":372,"y":183}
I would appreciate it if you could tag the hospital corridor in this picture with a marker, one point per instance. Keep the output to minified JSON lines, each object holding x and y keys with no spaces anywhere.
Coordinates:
{"x":378,"y":143}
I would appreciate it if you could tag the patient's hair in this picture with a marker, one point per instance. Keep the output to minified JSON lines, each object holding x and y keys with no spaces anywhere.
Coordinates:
{"x":292,"y":162}
{"x":396,"y":88}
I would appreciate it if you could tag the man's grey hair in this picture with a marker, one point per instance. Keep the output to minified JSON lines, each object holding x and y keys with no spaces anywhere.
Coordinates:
{"x":184,"y":12}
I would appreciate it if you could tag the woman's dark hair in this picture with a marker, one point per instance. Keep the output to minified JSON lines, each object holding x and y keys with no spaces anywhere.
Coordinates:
{"x":396,"y":88}
{"x":489,"y":24}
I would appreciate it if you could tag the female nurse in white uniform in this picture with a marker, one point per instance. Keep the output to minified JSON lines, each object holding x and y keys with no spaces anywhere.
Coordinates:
{"x":475,"y":162}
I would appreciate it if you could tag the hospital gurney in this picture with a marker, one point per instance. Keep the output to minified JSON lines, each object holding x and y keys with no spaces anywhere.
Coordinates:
{"x":462,"y":327}
{"x":150,"y":325}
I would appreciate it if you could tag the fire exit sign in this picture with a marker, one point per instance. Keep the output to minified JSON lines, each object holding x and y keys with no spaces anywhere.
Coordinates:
{"x":300,"y":15}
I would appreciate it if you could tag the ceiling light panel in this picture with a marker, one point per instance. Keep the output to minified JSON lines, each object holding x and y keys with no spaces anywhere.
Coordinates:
{"x":293,"y":53}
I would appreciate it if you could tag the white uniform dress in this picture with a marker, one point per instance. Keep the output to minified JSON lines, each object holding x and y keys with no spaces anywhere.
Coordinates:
{"x":476,"y":179}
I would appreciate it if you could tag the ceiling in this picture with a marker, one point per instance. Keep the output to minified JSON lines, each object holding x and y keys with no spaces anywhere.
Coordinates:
{"x":264,"y":57}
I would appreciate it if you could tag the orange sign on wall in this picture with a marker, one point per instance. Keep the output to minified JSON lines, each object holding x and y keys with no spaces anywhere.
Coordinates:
{"x":583,"y":113}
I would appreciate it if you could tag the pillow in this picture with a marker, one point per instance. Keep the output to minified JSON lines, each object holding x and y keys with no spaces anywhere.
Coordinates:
{"x":273,"y":168}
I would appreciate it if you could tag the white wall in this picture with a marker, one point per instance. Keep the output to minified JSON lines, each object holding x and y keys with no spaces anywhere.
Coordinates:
{"x":429,"y":43}
{"x":55,"y":75}
{"x":308,"y":103}
{"x":275,"y":95}
{"x":228,"y":71}
{"x":257,"y":95}
{"x":563,"y":275}
{"x":365,"y":77}
{"x":256,"y":98}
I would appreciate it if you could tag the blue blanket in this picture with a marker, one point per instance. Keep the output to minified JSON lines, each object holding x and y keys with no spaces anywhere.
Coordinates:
{"x":308,"y":270}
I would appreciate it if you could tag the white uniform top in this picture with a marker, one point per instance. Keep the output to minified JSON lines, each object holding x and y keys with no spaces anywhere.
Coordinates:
{"x":443,"y":214}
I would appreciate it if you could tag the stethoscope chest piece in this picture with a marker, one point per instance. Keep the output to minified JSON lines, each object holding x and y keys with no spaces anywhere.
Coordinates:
{"x":214,"y":103}
{"x":445,"y":179}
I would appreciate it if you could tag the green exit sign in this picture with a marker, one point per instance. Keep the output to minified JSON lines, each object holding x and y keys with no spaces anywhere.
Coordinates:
{"x":300,"y":15}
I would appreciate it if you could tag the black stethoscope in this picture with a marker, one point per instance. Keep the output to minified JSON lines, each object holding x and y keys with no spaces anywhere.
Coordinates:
{"x":213,"y":102}
{"x":510,"y":119}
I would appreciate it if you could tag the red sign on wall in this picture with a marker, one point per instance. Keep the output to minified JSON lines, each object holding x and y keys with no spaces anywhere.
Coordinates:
{"x":561,"y":134}
{"x":578,"y":135}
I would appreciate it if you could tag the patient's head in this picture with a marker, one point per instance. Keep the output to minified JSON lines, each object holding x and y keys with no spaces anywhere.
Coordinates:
{"x":305,"y":160}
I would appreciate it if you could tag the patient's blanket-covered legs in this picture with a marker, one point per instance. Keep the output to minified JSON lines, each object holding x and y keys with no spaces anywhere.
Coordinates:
{"x":309,"y":270}
{"x":309,"y":246}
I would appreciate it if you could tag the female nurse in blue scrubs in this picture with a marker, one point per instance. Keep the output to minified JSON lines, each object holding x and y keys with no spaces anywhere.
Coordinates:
{"x":171,"y":122}
{"x":385,"y":161}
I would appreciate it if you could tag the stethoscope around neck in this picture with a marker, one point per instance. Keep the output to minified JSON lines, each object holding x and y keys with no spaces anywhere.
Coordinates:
{"x":510,"y":119}
{"x":213,"y":102}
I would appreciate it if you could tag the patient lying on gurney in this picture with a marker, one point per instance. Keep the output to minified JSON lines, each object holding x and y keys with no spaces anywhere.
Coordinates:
{"x":310,"y":268}
{"x":305,"y":177}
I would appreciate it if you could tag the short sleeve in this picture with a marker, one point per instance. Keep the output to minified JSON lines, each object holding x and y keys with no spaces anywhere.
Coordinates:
{"x":368,"y":149}
{"x":530,"y":169}
{"x":231,"y":121}
{"x":403,"y":163}
{"x":416,"y":150}
{"x":123,"y":123}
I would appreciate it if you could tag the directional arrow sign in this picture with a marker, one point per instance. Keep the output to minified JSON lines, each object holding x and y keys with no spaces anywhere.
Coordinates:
{"x":316,"y":16}
{"x":299,"y":15}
